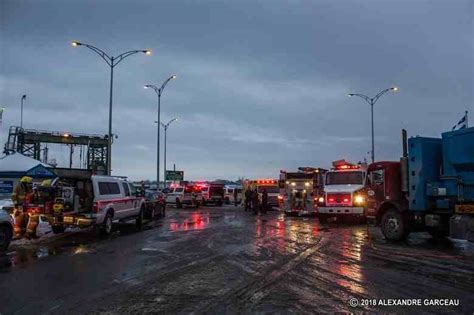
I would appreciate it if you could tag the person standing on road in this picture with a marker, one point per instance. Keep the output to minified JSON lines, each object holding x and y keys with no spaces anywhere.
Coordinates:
{"x":255,"y":201}
{"x":21,"y":196}
{"x":248,"y":196}
{"x":236,"y":195}
{"x":264,"y":201}
{"x":43,"y":195}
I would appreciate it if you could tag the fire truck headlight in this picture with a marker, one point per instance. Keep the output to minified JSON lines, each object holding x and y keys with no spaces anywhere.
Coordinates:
{"x":321,"y":199}
{"x":306,"y":184}
{"x":359,"y":199}
{"x":293,"y":184}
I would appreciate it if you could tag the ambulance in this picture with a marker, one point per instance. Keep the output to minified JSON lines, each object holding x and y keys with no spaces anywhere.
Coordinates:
{"x":300,"y":191}
{"x":344,"y":192}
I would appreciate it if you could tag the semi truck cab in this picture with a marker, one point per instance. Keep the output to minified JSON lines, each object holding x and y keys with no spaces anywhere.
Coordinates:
{"x":431,"y":189}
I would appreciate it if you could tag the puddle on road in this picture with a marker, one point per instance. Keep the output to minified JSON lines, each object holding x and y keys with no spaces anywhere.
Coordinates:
{"x":196,"y":221}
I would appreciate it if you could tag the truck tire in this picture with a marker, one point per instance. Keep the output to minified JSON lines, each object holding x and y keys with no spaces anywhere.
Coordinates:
{"x":6,"y":235}
{"x":392,"y":225}
{"x":106,"y":228}
{"x":152,"y":212}
{"x":58,"y":229}
{"x":139,"y":220}
{"x":219,"y":203}
{"x":179,"y":205}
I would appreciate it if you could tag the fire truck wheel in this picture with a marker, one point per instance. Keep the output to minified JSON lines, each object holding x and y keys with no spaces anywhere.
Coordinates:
{"x":58,"y":229}
{"x":106,"y":228}
{"x":179,"y":205}
{"x":393,"y":227}
{"x":6,"y":235}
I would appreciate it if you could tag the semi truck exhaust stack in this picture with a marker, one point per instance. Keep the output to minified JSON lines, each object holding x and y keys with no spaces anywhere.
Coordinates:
{"x":404,"y":163}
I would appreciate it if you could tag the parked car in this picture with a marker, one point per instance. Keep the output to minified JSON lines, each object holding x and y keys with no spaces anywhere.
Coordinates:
{"x":6,"y":229}
{"x":155,"y":204}
{"x":90,"y":200}
{"x":7,"y":205}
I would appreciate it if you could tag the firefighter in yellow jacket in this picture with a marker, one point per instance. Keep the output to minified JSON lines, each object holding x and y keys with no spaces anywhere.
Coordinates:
{"x":22,"y":195}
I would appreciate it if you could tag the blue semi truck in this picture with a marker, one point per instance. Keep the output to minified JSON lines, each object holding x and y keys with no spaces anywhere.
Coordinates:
{"x":430,"y":189}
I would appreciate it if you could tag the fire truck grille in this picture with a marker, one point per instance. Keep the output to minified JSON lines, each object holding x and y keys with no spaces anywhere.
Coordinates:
{"x":339,"y":199}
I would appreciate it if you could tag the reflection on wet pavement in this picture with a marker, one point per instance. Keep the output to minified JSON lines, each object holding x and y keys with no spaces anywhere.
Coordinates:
{"x":224,"y":260}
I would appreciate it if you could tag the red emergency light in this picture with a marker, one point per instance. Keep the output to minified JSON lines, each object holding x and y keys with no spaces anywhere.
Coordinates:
{"x":347,"y":167}
{"x":266,"y":181}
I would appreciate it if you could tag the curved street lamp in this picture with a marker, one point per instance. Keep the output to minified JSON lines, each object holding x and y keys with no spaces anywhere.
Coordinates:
{"x":165,"y":127}
{"x":158,"y":91}
{"x":372,"y":101}
{"x":111,"y":62}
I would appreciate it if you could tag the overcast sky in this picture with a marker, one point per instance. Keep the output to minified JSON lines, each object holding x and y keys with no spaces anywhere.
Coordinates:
{"x":262,"y":85}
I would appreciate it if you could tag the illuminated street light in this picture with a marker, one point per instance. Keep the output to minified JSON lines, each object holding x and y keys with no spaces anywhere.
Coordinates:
{"x":158,"y":91}
{"x":372,"y":102}
{"x":111,"y":62}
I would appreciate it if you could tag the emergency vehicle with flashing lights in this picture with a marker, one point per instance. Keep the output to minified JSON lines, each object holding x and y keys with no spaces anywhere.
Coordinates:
{"x":229,"y":194}
{"x":84,"y":200}
{"x":273,"y":190}
{"x":344,"y":192}
{"x":301,"y":190}
{"x":212,"y":193}
{"x":184,"y":194}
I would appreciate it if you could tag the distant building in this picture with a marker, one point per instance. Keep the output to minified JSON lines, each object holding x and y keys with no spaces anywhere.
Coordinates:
{"x":15,"y":166}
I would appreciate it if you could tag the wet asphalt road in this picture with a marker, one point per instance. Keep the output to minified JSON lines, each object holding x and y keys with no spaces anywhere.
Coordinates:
{"x":223,"y":260}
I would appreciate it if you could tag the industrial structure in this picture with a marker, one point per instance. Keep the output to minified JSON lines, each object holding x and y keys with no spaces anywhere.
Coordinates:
{"x":34,"y":143}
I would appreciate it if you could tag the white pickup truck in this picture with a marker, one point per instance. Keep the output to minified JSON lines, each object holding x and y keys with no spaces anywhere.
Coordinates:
{"x":95,"y":201}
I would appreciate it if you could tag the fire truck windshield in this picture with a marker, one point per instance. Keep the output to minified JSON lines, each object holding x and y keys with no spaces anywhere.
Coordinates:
{"x":270,"y":189}
{"x":290,"y":176}
{"x":344,"y":178}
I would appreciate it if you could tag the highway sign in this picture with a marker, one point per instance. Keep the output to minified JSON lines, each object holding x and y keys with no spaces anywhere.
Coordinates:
{"x":174,"y":175}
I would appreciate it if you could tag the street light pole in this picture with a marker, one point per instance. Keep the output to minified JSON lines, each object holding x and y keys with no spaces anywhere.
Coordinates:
{"x":165,"y":127}
{"x":111,"y":62}
{"x":21,"y":111}
{"x":158,"y":91}
{"x":372,"y":101}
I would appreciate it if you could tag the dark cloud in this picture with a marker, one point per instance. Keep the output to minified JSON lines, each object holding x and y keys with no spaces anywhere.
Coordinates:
{"x":261,"y":85}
